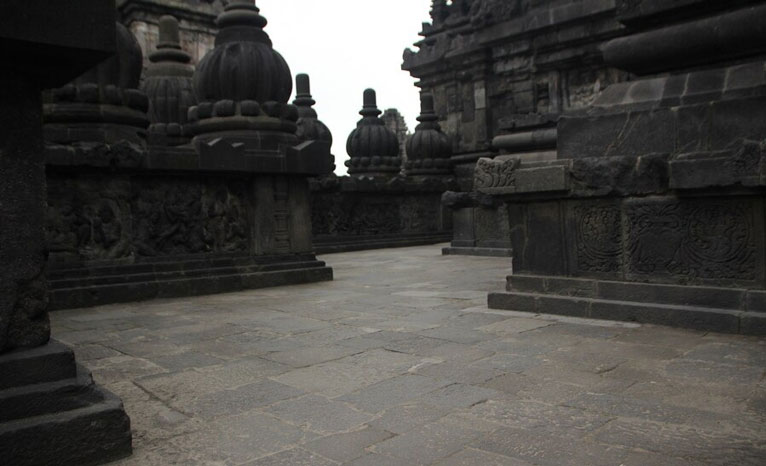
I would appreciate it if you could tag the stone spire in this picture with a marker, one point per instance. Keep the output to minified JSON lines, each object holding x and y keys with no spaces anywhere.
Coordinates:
{"x":169,"y":86}
{"x":373,"y":148}
{"x":103,"y":105}
{"x":243,"y":86}
{"x":309,"y":126}
{"x":429,"y":149}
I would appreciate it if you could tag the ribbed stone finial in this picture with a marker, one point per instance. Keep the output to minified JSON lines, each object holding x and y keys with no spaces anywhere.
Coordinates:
{"x":373,"y":148}
{"x":168,"y":84}
{"x":309,"y":127}
{"x":243,"y":65}
{"x":243,"y":86}
{"x":105,"y":99}
{"x":429,"y":149}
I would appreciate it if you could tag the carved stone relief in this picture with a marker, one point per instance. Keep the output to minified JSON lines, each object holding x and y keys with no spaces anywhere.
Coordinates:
{"x":693,"y":240}
{"x":598,"y":238}
{"x":491,"y":173}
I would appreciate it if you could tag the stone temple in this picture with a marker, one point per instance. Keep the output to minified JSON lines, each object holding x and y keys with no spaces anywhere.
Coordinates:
{"x":562,"y":263}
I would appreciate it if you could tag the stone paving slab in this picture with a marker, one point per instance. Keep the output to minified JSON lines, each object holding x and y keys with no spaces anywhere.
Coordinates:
{"x":399,"y":362}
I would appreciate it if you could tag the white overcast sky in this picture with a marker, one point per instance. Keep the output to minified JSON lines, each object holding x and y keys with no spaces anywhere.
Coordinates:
{"x":347,"y":46}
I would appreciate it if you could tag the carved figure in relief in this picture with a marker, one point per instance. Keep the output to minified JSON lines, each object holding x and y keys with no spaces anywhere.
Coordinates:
{"x":225,"y":221}
{"x":105,"y":235}
{"x":491,"y":173}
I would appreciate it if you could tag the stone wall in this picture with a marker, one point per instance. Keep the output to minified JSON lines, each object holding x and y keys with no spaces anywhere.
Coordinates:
{"x":653,"y":210}
{"x":504,"y":66}
{"x":359,"y":213}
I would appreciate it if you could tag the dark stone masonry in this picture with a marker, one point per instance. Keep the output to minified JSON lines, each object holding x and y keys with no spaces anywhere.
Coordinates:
{"x":51,"y":412}
{"x":653,"y":209}
{"x":611,"y":153}
{"x":206,"y":193}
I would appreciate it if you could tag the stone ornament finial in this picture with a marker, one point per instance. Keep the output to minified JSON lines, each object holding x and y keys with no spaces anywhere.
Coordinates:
{"x":243,"y":65}
{"x":169,"y":86}
{"x":309,"y":126}
{"x":373,"y":148}
{"x":103,"y":105}
{"x":243,"y":85}
{"x":428,"y":149}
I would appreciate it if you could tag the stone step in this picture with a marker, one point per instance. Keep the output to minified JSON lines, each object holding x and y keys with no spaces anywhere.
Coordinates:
{"x":172,"y":264}
{"x":477,"y":251}
{"x":95,"y":433}
{"x":53,"y":362}
{"x":153,"y":288}
{"x":51,"y":412}
{"x":681,"y":295}
{"x":46,"y":398}
{"x":692,"y":317}
{"x":109,"y":279}
{"x":337,"y":244}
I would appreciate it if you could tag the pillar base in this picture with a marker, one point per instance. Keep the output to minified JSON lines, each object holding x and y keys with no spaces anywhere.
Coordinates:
{"x":51,"y":412}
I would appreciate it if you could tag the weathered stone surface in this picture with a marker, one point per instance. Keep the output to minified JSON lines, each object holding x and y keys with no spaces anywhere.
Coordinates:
{"x":705,"y":381}
{"x":347,"y":446}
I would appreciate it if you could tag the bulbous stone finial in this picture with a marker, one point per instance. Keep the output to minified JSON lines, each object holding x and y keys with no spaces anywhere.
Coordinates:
{"x":309,"y":127}
{"x":104,"y":103}
{"x":243,"y":86}
{"x":124,"y":69}
{"x":169,"y":86}
{"x":373,"y":148}
{"x":243,"y":65}
{"x":429,"y":149}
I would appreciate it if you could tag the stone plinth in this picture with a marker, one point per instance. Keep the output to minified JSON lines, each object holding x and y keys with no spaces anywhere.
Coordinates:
{"x":654,"y":210}
{"x":226,"y":212}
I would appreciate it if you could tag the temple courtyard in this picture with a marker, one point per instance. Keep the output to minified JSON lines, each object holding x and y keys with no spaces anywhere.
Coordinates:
{"x":398,"y":361}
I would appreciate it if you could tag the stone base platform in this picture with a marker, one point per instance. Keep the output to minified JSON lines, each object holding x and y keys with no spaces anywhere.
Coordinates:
{"x":51,"y":412}
{"x":94,"y":285}
{"x":484,"y":252}
{"x":728,"y":310}
{"x":334,"y":244}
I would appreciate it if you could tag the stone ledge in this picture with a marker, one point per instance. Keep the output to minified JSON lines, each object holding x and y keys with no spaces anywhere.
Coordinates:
{"x":697,"y":318}
{"x":152,"y":287}
{"x":477,"y":251}
{"x":685,"y":316}
{"x":331,"y":245}
{"x":680,"y":295}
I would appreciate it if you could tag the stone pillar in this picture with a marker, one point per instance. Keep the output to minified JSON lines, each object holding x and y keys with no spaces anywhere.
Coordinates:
{"x":23,"y":315}
{"x":50,"y":410}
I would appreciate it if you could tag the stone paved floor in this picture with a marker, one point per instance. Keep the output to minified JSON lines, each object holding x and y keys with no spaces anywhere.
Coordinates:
{"x":399,"y":362}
